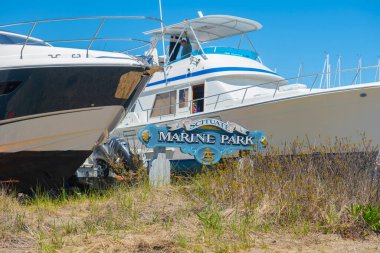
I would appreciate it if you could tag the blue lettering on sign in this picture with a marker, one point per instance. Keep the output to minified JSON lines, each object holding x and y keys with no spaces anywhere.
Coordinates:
{"x":208,"y":140}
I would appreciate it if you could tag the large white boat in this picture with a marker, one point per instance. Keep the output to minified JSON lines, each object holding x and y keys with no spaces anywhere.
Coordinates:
{"x":232,"y":84}
{"x":57,"y":103}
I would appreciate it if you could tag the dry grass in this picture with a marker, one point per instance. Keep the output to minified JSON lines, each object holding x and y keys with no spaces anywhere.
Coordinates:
{"x":304,"y":187}
{"x":270,"y":203}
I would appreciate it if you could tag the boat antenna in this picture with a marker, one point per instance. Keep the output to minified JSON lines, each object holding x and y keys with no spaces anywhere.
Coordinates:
{"x":162,"y":28}
{"x":163,"y":39}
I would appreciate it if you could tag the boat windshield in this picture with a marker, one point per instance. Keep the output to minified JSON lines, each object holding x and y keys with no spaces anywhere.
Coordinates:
{"x":224,"y":51}
{"x":11,"y":39}
{"x":228,"y":51}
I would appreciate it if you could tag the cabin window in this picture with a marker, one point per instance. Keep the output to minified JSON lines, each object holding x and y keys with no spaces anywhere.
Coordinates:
{"x":183,"y":98}
{"x":164,"y":104}
{"x":9,"y":39}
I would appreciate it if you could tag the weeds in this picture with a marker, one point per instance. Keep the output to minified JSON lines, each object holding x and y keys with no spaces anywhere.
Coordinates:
{"x":369,"y":213}
{"x":301,"y":189}
{"x":302,"y":186}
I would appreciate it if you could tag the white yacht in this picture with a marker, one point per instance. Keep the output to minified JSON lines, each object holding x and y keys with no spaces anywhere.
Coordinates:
{"x":57,"y":103}
{"x":233,"y":84}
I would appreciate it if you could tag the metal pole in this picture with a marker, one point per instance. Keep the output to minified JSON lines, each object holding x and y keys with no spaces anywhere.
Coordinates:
{"x":315,"y":79}
{"x":250,"y":42}
{"x":96,"y":34}
{"x":162,"y":28}
{"x":323,"y":73}
{"x":217,"y":100}
{"x":176,"y":44}
{"x":245,"y":93}
{"x":378,"y":69}
{"x":199,"y":44}
{"x":328,"y":71}
{"x":163,"y":43}
{"x":339,"y":69}
{"x":26,"y":41}
{"x":278,"y":84}
{"x":299,"y":77}
{"x":360,"y":69}
{"x":241,"y":37}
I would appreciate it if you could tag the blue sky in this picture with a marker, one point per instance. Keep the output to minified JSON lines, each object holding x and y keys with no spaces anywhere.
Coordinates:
{"x":293,"y":31}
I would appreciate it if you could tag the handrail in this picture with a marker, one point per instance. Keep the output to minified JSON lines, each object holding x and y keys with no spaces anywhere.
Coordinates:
{"x":26,"y":41}
{"x":79,"y":18}
{"x":245,"y":89}
{"x":94,"y":37}
{"x":86,"y":40}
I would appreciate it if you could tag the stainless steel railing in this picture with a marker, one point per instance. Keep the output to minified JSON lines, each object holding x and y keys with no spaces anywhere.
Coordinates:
{"x":91,"y":40}
{"x":241,"y":96}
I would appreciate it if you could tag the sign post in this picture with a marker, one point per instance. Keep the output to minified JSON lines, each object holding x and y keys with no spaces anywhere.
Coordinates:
{"x":159,"y":172}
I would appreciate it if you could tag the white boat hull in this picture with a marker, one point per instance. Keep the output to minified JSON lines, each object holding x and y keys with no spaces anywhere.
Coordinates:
{"x":45,"y":149}
{"x":59,"y":131}
{"x":316,"y":118}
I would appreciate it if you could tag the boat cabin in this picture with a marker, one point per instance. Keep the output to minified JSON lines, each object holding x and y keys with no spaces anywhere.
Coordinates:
{"x":205,"y":79}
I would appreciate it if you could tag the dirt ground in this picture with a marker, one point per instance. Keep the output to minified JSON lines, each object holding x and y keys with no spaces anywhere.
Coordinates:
{"x":159,"y":220}
{"x":158,"y":241}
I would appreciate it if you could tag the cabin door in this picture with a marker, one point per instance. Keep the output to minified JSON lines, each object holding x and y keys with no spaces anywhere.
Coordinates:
{"x":198,"y":98}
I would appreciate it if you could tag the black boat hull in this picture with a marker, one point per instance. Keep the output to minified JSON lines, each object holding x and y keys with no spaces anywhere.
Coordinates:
{"x":52,"y":117}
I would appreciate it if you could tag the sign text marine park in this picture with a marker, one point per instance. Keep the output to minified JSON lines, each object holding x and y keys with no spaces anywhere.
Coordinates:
{"x":207,"y":139}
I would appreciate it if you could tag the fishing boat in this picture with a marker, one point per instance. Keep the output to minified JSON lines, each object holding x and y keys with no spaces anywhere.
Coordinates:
{"x":232,"y":84}
{"x":57,"y":103}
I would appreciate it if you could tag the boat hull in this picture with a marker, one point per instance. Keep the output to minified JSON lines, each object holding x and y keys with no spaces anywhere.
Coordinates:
{"x":52,"y":120}
{"x":28,"y":171}
{"x":314,"y":118}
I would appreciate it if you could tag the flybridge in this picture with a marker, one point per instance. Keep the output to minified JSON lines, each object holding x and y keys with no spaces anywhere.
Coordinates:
{"x":201,"y":30}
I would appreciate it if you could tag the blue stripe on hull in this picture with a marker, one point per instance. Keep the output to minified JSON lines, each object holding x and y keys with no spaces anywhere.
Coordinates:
{"x":213,"y":70}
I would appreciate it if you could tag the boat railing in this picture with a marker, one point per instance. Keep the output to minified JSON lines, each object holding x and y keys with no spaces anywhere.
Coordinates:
{"x":29,"y":40}
{"x":308,"y":83}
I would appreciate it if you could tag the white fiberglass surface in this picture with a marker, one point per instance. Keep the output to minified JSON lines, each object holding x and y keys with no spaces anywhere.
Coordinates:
{"x":213,"y":27}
